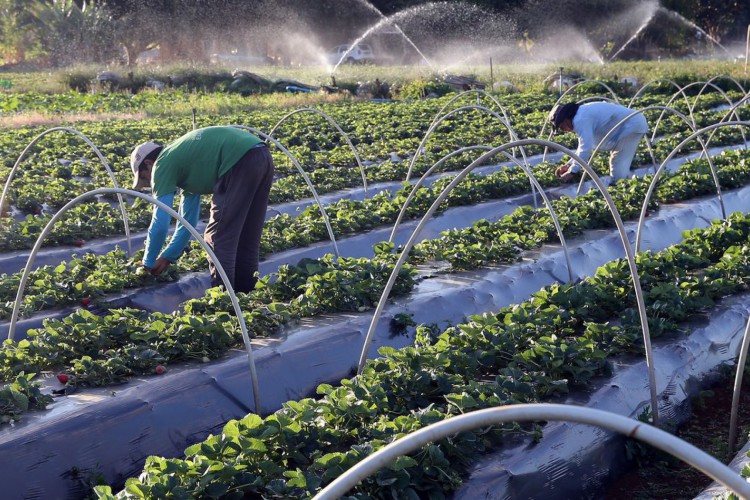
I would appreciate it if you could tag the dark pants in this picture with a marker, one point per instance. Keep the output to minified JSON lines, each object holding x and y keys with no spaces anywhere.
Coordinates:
{"x":238,"y":211}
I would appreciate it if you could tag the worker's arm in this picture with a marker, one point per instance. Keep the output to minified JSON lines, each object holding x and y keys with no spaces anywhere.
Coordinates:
{"x":190,"y":209}
{"x":157,"y":231}
{"x":586,"y":143}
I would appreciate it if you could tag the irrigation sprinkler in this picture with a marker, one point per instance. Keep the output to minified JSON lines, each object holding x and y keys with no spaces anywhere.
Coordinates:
{"x":336,"y":125}
{"x":98,"y":154}
{"x":629,"y":427}
{"x":524,"y":168}
{"x":664,"y":109}
{"x":225,"y":280}
{"x":669,"y":157}
{"x":629,"y":255}
{"x":736,"y":394}
{"x":302,"y":172}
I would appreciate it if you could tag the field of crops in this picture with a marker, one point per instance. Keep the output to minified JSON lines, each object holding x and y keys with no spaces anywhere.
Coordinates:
{"x":514,"y":289}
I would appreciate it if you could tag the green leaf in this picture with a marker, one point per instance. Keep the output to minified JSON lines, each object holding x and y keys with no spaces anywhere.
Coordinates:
{"x":134,"y":487}
{"x":216,"y":489}
{"x":403,"y":462}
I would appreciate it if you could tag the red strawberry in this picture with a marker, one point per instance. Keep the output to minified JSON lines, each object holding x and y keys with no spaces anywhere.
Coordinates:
{"x":63,"y":378}
{"x":86,"y":301}
{"x":160,"y":369}
{"x":79,"y":243}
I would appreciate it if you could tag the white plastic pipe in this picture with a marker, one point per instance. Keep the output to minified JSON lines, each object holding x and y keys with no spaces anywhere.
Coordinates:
{"x":440,"y":120}
{"x":338,"y":127}
{"x":690,"y":125}
{"x":98,"y":153}
{"x":733,"y":416}
{"x":629,"y":254}
{"x":535,"y":185}
{"x":193,"y":232}
{"x":669,"y":157}
{"x":302,"y":172}
{"x":537,"y":412}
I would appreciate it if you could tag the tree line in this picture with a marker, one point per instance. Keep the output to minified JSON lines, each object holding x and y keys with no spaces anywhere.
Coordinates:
{"x":54,"y":33}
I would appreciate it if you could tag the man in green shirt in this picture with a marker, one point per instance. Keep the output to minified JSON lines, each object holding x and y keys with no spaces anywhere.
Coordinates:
{"x":233,"y":165}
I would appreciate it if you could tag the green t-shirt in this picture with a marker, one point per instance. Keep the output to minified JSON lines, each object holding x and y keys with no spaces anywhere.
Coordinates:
{"x":196,"y":160}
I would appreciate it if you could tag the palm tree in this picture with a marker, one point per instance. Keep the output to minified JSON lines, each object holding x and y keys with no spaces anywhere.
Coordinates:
{"x":70,"y":33}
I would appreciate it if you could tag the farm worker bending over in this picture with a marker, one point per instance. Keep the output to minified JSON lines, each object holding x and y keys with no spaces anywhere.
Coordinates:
{"x":233,"y":165}
{"x":591,"y":122}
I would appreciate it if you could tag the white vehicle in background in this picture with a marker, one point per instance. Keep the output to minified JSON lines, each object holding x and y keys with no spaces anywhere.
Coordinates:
{"x":359,"y":54}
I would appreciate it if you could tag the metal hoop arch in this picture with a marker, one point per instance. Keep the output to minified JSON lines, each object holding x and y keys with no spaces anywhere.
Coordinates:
{"x":669,"y":157}
{"x":660,"y":80}
{"x":338,"y":127}
{"x":736,"y":394}
{"x":703,"y":89}
{"x":483,"y":93}
{"x":691,"y":107}
{"x":690,"y":125}
{"x":726,"y":77}
{"x":432,"y":128}
{"x":230,"y":291}
{"x":98,"y":153}
{"x":731,"y":111}
{"x":524,"y":168}
{"x":629,"y":427}
{"x":480,"y":93}
{"x":309,"y":183}
{"x":629,"y":254}
{"x":422,"y":179}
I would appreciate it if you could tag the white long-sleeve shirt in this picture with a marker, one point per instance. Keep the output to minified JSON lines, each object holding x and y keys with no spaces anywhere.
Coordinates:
{"x":594,"y":120}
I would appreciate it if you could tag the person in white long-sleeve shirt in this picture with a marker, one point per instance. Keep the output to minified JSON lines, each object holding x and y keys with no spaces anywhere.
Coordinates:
{"x":592,"y":122}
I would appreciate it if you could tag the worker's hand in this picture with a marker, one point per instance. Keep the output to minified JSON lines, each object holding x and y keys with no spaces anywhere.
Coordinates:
{"x":161,"y":265}
{"x":564,"y":173}
{"x":140,"y":269}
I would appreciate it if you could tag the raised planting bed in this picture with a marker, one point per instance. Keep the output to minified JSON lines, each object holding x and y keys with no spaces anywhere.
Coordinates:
{"x":579,"y":461}
{"x":289,"y":367}
{"x":360,"y":245}
{"x":542,"y":348}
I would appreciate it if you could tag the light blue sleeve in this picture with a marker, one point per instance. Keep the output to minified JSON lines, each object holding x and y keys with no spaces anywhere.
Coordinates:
{"x":157,"y":231}
{"x":586,"y":142}
{"x":190,"y":207}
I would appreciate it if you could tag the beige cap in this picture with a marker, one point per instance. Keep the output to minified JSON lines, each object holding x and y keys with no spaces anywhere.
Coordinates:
{"x":140,"y":152}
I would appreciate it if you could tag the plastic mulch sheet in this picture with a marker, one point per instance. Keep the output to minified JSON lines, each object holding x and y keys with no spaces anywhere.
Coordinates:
{"x":111,"y":431}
